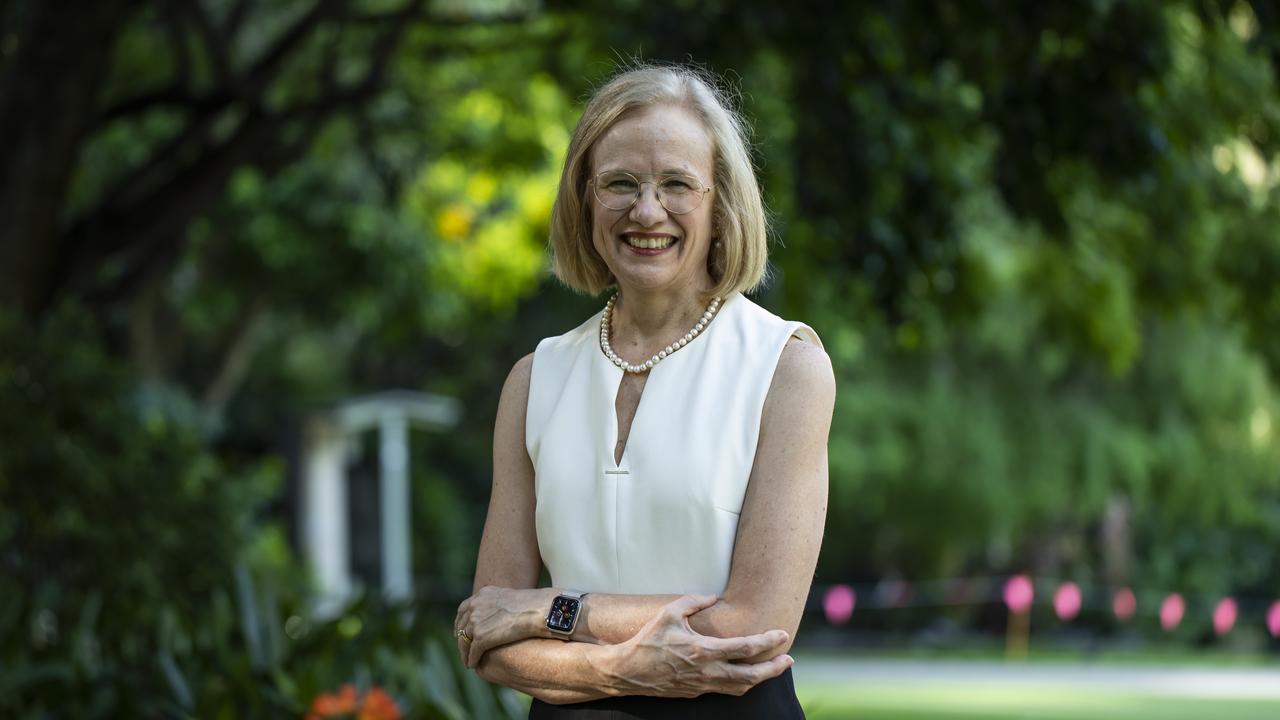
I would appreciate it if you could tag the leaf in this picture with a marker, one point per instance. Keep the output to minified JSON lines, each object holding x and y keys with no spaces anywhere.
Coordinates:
{"x":512,"y":704}
{"x":249,"y":622}
{"x":479,"y":695}
{"x":177,"y":683}
{"x":437,"y":678}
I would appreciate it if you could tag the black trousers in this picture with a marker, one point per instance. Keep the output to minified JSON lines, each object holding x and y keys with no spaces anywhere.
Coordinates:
{"x":773,"y":699}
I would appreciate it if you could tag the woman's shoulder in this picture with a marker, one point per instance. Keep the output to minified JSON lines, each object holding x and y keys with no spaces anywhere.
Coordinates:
{"x":586,"y":332}
{"x":516,"y":386}
{"x":805,"y":363}
{"x":752,"y":314}
{"x":554,"y":359}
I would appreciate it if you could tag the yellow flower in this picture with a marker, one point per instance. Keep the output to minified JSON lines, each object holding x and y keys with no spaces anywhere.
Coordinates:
{"x":454,"y":222}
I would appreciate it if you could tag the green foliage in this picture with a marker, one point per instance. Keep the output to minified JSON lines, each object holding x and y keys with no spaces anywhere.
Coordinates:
{"x":116,"y":521}
{"x":267,"y":660}
{"x":1039,"y":244}
{"x":125,"y":590}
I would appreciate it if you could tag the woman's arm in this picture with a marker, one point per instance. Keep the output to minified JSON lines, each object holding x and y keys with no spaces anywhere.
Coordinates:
{"x":785,"y":507}
{"x":567,"y":672}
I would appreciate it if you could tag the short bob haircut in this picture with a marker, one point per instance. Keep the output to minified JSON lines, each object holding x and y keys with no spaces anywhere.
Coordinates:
{"x":741,"y":260}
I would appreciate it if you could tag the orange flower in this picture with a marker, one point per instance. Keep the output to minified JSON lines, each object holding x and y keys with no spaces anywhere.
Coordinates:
{"x":378,"y":705}
{"x":375,"y":705}
{"x":328,"y":705}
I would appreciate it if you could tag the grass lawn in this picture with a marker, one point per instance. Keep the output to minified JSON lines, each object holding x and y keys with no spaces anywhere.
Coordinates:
{"x":829,"y":701}
{"x":1163,"y":684}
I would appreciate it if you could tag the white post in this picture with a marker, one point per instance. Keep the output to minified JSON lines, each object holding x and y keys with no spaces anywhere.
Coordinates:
{"x":326,"y":532}
{"x":397,"y":577}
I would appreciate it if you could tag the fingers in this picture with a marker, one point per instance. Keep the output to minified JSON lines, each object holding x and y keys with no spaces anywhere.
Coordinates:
{"x":753,"y":674}
{"x":460,"y":622}
{"x":686,"y":605}
{"x":475,"y":652}
{"x":739,"y":648}
{"x":459,"y":619}
{"x":463,"y":649}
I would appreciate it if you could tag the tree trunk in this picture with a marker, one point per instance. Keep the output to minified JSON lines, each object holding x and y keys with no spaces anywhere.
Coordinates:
{"x":48,"y":98}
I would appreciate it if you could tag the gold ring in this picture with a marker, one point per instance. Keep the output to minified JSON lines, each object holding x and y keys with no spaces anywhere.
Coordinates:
{"x":462,"y":634}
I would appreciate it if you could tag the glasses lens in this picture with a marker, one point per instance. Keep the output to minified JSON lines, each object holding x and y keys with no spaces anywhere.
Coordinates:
{"x":617,"y":190}
{"x":680,"y":193}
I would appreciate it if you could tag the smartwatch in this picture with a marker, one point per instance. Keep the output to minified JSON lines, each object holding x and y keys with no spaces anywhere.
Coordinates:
{"x":563,"y":617}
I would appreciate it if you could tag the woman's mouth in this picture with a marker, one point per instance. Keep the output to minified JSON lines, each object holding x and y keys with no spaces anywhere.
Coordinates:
{"x":648,"y":244}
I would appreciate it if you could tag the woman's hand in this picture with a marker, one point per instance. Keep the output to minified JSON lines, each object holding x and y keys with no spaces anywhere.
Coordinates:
{"x":669,"y":659}
{"x":495,"y":616}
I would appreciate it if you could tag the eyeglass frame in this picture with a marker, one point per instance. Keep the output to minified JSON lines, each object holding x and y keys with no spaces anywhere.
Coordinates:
{"x":701,"y":189}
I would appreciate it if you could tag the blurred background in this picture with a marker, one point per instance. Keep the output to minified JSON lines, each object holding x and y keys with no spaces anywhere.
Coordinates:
{"x":264,"y":265}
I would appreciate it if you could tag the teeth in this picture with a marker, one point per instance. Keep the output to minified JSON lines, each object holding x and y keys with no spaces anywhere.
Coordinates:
{"x":649,"y":243}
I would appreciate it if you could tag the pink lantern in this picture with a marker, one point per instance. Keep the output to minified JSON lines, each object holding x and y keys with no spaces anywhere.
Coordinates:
{"x":1124,"y":604}
{"x":1273,"y":619}
{"x":1224,"y":616}
{"x":1171,"y":611}
{"x":1066,"y":601}
{"x":1018,"y":594}
{"x":838,"y":604}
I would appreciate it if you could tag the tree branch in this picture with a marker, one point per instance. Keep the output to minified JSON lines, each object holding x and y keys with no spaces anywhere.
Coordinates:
{"x":234,"y":18}
{"x":176,"y":95}
{"x":215,"y":43}
{"x":265,"y":69}
{"x":150,"y":210}
{"x":178,"y":41}
{"x":236,"y":361}
{"x":248,"y":90}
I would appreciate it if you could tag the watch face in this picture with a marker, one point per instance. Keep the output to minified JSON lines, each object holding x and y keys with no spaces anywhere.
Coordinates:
{"x":564,"y":610}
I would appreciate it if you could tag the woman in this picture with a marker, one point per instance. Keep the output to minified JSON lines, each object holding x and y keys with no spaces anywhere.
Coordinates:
{"x":669,"y":456}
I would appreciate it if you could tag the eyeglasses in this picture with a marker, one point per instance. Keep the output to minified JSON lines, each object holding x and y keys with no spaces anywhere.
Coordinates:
{"x":679,"y":194}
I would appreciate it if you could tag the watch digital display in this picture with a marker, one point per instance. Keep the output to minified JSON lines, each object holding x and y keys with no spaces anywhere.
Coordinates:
{"x":564,"y":612}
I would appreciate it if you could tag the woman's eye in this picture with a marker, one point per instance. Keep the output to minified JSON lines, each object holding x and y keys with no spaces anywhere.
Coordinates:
{"x":621,"y":185}
{"x":677,"y":185}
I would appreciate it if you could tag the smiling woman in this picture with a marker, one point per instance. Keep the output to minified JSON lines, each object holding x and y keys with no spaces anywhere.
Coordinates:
{"x":667,"y":459}
{"x":657,"y":142}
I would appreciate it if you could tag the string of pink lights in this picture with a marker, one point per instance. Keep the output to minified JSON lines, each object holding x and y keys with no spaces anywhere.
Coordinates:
{"x":1018,"y":593}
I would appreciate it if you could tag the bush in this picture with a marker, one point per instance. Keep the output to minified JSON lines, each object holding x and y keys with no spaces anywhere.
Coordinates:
{"x":124,"y":586}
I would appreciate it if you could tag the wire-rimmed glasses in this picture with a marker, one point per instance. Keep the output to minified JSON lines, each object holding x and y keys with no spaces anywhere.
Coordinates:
{"x":619,"y":190}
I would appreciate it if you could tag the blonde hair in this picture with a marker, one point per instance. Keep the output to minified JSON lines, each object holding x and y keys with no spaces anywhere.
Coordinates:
{"x":740,"y":261}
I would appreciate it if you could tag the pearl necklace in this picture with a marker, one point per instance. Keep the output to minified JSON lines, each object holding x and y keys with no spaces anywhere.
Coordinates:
{"x":607,"y":319}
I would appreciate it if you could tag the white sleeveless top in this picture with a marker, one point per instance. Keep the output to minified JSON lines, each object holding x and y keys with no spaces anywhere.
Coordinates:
{"x":664,"y":520}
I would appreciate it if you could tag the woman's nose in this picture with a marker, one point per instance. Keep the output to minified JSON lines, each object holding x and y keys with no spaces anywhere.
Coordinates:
{"x":648,"y":208}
